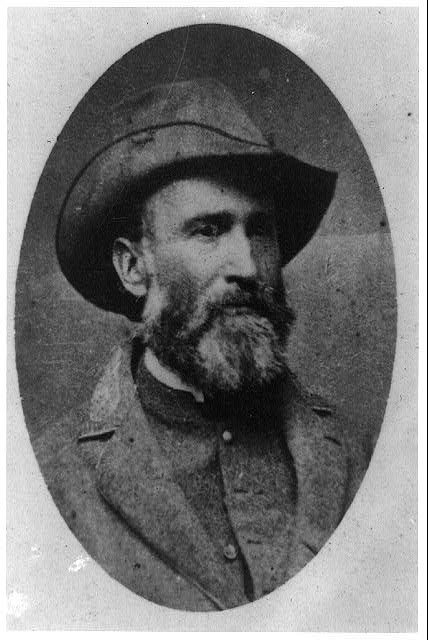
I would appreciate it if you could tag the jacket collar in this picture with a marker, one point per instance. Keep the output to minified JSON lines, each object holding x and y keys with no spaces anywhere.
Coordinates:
{"x":136,"y":481}
{"x":167,"y":377}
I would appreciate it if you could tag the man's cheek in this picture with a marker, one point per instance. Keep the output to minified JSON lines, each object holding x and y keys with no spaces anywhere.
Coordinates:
{"x":183,"y":291}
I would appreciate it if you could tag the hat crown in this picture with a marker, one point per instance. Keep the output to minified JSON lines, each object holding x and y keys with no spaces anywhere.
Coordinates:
{"x":204,"y":101}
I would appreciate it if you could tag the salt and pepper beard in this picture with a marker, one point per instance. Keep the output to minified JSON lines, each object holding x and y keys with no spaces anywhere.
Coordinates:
{"x":236,"y":343}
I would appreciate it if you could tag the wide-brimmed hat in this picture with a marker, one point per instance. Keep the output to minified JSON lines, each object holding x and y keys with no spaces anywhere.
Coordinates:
{"x":171,"y":131}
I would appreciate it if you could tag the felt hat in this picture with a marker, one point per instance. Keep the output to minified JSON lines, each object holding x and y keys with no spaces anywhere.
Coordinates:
{"x":170,"y":131}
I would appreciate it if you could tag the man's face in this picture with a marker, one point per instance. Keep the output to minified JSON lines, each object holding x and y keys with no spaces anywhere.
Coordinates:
{"x":216,"y":308}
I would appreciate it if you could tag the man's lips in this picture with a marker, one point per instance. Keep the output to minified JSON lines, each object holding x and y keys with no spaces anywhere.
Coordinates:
{"x":239,"y":308}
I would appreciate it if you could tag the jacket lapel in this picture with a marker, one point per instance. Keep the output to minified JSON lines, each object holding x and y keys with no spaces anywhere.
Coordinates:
{"x":285,"y":492}
{"x":316,"y":443}
{"x":135,"y":479}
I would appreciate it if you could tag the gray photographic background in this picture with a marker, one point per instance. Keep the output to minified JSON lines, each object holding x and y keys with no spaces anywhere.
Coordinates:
{"x":365,"y":578}
{"x":342,"y":286}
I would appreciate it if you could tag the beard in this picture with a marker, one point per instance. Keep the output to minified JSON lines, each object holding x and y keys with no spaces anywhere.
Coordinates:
{"x":224,"y":343}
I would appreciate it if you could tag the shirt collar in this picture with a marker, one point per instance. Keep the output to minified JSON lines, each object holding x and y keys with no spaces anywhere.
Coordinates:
{"x":168,"y":377}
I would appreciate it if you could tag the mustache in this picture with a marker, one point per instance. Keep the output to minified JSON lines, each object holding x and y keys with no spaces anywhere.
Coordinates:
{"x":260,"y":300}
{"x":250,"y":297}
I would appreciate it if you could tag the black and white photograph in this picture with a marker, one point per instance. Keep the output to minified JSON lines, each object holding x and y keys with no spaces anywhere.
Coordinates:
{"x":206,"y":322}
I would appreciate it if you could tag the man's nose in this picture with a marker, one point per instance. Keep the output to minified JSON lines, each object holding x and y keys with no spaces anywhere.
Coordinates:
{"x":240,"y":263}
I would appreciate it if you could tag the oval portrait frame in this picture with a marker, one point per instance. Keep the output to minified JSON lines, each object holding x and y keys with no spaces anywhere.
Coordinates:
{"x":323,"y":556}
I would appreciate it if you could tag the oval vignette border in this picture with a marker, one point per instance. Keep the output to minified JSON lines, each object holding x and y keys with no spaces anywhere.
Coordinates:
{"x":313,"y":65}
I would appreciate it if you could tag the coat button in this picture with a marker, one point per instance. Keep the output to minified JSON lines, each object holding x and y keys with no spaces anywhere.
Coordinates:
{"x":227,"y":436}
{"x":230,"y":552}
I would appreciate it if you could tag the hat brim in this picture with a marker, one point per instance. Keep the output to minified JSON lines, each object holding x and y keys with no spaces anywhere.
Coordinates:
{"x":95,"y":210}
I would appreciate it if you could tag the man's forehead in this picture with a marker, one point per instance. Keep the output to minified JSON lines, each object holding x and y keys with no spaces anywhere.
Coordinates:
{"x":186,"y":198}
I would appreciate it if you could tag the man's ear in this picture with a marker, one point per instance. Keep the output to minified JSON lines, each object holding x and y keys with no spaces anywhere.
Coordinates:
{"x":128,"y":260}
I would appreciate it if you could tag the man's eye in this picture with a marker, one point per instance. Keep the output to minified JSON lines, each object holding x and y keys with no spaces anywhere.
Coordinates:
{"x":208,"y":230}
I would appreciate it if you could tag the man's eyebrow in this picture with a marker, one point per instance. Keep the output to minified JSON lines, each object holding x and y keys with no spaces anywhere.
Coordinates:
{"x":210,"y":217}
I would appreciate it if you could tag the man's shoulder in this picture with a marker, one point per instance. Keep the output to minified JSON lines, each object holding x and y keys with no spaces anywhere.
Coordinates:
{"x":94,"y":420}
{"x":320,"y":433}
{"x":310,"y":415}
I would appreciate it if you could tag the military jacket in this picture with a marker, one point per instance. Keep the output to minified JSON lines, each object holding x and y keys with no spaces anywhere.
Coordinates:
{"x":284,"y":491}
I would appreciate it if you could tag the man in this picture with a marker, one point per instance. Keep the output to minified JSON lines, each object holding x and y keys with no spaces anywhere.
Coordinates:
{"x":200,"y":475}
